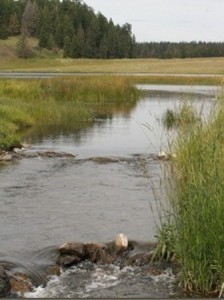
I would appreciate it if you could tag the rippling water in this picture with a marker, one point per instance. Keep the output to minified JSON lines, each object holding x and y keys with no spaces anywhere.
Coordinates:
{"x":47,"y":201}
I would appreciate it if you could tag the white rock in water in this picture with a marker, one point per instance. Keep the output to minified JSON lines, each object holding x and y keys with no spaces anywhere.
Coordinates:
{"x":162,"y":154}
{"x":17,"y":150}
{"x":6,"y":157}
{"x":121,"y":241}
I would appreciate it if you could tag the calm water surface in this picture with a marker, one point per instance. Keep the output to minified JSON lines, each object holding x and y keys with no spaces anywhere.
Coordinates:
{"x":47,"y":201}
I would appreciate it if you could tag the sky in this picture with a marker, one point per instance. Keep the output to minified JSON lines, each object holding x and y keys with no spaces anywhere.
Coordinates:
{"x":167,"y":20}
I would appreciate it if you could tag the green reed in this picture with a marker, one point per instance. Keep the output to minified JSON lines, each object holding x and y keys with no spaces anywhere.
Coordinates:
{"x":194,"y":230}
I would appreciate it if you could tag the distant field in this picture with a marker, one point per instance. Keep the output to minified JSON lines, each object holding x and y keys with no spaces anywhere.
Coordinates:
{"x":56,"y":63}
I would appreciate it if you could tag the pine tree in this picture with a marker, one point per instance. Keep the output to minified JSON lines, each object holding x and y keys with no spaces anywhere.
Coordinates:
{"x":73,"y":50}
{"x":80,"y":42}
{"x":4,"y":17}
{"x":67,"y":47}
{"x":23,"y":48}
{"x":30,"y":19}
{"x":14,"y":25}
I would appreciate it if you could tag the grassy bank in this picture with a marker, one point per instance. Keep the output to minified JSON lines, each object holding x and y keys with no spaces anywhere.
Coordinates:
{"x":45,"y":61}
{"x":193,"y":234}
{"x":180,"y":80}
{"x":55,"y":103}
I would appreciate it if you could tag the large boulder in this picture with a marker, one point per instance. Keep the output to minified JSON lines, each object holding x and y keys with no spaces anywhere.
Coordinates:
{"x":5,"y":287}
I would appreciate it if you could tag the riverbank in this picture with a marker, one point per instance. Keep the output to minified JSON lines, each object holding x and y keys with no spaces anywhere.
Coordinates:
{"x":29,"y":105}
{"x":192,"y":232}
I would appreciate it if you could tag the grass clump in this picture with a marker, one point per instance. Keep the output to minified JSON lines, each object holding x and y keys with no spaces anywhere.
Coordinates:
{"x":185,"y":115}
{"x":57,"y":103}
{"x":196,"y":198}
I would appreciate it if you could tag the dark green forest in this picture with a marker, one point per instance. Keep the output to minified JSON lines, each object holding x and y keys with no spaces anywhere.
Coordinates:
{"x":69,"y":25}
{"x":74,"y":27}
{"x":179,"y":50}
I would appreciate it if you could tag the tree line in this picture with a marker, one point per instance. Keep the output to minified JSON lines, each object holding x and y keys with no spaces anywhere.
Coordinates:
{"x":69,"y":25}
{"x":179,"y":50}
{"x":73,"y":26}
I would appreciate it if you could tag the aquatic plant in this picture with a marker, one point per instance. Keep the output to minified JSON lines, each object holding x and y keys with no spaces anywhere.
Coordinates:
{"x":185,"y":115}
{"x":196,"y":206}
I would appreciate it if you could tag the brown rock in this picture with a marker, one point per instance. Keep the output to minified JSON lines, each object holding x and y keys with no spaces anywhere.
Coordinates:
{"x":53,"y":270}
{"x":104,"y":160}
{"x":153,"y":271}
{"x":140,"y":259}
{"x":73,"y":248}
{"x":98,"y":253}
{"x":52,"y":154}
{"x":20,"y":283}
{"x":68,"y":260}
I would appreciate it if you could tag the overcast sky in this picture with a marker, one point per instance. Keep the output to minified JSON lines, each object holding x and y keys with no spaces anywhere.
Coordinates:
{"x":167,"y":20}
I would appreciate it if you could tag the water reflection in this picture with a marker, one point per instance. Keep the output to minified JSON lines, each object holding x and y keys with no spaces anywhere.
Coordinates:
{"x":123,"y":128}
{"x":102,"y":113}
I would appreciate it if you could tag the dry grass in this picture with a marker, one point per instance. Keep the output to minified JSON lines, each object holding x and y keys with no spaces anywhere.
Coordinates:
{"x":142,"y":66}
{"x":9,"y":61}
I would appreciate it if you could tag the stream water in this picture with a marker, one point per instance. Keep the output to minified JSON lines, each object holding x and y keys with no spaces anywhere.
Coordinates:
{"x":48,"y":201}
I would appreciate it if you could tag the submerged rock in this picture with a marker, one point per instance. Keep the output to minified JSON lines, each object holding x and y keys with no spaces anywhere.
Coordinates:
{"x":98,"y":253}
{"x":5,"y":287}
{"x":104,"y":160}
{"x":53,"y":270}
{"x":20,"y":284}
{"x":68,"y":260}
{"x":139,"y":259}
{"x":5,"y":156}
{"x":53,"y":154}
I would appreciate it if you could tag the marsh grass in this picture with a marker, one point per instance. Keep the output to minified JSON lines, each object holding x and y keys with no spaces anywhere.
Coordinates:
{"x":194,"y":230}
{"x":57,"y":102}
{"x":185,"y":115}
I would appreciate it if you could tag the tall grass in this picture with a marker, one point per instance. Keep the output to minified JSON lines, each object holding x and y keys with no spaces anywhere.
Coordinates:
{"x":194,"y":230}
{"x":57,"y":102}
{"x":186,"y":115}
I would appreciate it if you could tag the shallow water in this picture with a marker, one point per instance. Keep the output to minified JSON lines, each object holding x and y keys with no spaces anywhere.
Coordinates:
{"x":108,"y":282}
{"x":48,"y":201}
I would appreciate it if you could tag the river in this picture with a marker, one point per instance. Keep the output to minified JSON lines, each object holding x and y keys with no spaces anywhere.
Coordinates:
{"x":110,"y":186}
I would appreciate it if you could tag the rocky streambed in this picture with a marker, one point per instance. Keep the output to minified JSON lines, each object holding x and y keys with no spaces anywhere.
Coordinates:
{"x":17,"y":281}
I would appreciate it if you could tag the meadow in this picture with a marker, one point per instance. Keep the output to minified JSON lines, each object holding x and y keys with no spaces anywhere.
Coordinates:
{"x":53,"y":61}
